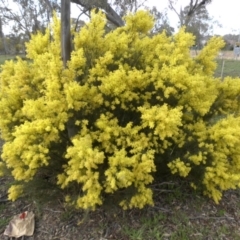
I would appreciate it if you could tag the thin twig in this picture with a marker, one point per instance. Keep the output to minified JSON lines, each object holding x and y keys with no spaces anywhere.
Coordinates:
{"x":201,"y":217}
{"x":162,"y":209}
{"x":27,"y":206}
{"x":83,"y":12}
{"x":50,"y":210}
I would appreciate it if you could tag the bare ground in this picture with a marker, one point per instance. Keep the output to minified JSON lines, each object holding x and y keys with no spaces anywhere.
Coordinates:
{"x":178,"y":214}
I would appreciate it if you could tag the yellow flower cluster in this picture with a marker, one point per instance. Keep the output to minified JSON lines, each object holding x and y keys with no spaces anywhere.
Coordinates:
{"x":223,"y":173}
{"x":206,"y":65}
{"x":178,"y":166}
{"x":134,"y":171}
{"x":14,"y":192}
{"x":83,"y":168}
{"x":133,"y":99}
{"x":32,"y":109}
{"x":163,"y":120}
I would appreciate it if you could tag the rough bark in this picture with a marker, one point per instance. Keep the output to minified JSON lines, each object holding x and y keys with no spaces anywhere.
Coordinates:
{"x":65,"y":31}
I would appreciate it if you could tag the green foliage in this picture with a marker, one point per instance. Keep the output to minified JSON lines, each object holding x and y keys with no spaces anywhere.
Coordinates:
{"x":139,"y":103}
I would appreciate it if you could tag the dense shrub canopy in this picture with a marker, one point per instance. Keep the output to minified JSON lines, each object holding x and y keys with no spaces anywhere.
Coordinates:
{"x":139,"y":102}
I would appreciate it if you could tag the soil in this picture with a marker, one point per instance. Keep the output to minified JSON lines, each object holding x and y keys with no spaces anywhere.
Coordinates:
{"x":178,"y":208}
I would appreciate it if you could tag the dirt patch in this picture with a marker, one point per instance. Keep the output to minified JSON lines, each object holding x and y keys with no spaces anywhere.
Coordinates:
{"x":178,"y":214}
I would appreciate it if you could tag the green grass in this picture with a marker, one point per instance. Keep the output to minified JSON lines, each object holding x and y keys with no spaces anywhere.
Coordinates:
{"x":230,"y":68}
{"x":3,"y":219}
{"x":180,"y":224}
{"x":3,"y":58}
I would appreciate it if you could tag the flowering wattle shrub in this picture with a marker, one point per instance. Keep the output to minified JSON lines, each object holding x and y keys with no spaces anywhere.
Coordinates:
{"x":138,"y":102}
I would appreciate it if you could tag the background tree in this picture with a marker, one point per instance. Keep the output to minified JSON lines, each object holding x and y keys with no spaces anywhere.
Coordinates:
{"x":161,"y":22}
{"x":2,"y":37}
{"x":120,"y":8}
{"x":196,"y":19}
{"x":123,"y":7}
{"x":185,"y":15}
{"x":24,"y":17}
{"x":200,"y":25}
{"x":27,"y":16}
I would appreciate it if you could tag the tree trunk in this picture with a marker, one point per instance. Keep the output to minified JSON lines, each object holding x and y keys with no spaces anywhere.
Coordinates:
{"x":66,"y":52}
{"x":3,"y":38}
{"x":65,"y":31}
